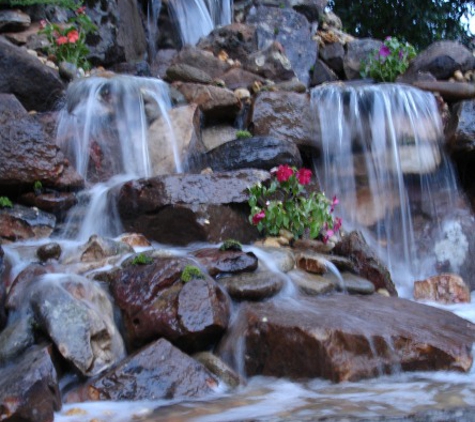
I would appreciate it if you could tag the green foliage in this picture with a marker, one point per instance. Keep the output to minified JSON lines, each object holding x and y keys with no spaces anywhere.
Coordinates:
{"x":191,"y":272}
{"x":5,"y":202}
{"x":68,"y":42}
{"x":421,"y":22}
{"x":284,"y":203}
{"x":231,"y":245}
{"x":142,"y":259}
{"x":68,"y":4}
{"x":390,"y":61}
{"x":38,"y":186}
{"x":243,"y":134}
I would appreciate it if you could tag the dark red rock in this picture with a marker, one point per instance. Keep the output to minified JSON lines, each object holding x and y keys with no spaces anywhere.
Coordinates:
{"x":237,"y":77}
{"x":217,"y":261}
{"x":57,"y":203}
{"x":21,"y":223}
{"x":158,"y":371}
{"x":34,"y":396}
{"x":373,"y":336}
{"x":22,"y":284}
{"x":366,"y":263}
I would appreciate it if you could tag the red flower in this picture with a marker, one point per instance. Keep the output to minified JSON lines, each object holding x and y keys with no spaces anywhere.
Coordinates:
{"x":258,"y":217}
{"x":284,"y":172}
{"x":73,"y":36}
{"x":81,"y":10}
{"x":304,"y":176}
{"x":61,"y":40}
{"x":43,"y":24}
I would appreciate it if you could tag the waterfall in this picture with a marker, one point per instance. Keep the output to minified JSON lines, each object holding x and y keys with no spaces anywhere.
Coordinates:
{"x":153,"y":11}
{"x":104,"y":131}
{"x":382,"y":154}
{"x":197,"y":18}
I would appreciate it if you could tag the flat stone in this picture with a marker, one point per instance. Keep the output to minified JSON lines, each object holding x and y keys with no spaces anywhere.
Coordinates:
{"x":311,"y":284}
{"x":219,"y":262}
{"x":354,"y":284}
{"x":443,"y":288}
{"x":217,"y":367}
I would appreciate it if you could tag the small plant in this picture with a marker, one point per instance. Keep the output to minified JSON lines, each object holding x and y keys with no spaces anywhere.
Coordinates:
{"x":284,"y":203}
{"x":5,"y":202}
{"x":191,"y":272}
{"x":38,"y":187}
{"x":243,"y":134}
{"x":390,"y":61}
{"x":231,"y":245}
{"x":67,"y":43}
{"x":141,"y":259}
{"x":276,"y":31}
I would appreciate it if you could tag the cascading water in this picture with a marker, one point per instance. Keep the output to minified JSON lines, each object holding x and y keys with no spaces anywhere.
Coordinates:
{"x":197,"y":18}
{"x":382,"y":154}
{"x":104,"y":130}
{"x":153,"y":11}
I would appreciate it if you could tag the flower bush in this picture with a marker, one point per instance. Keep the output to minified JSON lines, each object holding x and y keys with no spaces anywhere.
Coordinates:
{"x":390,"y":61}
{"x":67,"y":42}
{"x":284,"y":203}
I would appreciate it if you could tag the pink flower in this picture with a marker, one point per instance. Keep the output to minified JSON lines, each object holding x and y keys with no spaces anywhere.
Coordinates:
{"x":81,"y":10}
{"x":304,"y":176}
{"x":43,"y":24}
{"x":258,"y":217}
{"x":61,"y":40}
{"x":284,"y":172}
{"x":384,"y":51}
{"x":73,"y":36}
{"x":337,"y":224}
{"x":334,"y":202}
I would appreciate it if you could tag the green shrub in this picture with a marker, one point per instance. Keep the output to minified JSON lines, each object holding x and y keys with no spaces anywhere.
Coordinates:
{"x":5,"y":202}
{"x":243,"y":134}
{"x":231,"y":245}
{"x":191,"y":272}
{"x":141,"y":259}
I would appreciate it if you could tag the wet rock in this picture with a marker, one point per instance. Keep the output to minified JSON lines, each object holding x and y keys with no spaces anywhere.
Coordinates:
{"x":314,"y":264}
{"x":33,"y":396}
{"x":203,"y":60}
{"x":321,"y":263}
{"x":311,"y":9}
{"x":443,"y":288}
{"x":283,"y":115}
{"x":282,"y":258}
{"x":441,"y":59}
{"x":13,"y":20}
{"x":292,"y":31}
{"x":156,"y":303}
{"x":312,"y":284}
{"x":449,"y":91}
{"x":217,"y":367}
{"x":98,"y":248}
{"x":333,"y":55}
{"x":321,"y":73}
{"x":158,"y":371}
{"x":68,"y":71}
{"x":214,"y":136}
{"x":16,"y":337}
{"x":78,"y":316}
{"x":258,"y":285}
{"x":28,"y":154}
{"x":3,"y":293}
{"x":21,"y":223}
{"x":22,"y":284}
{"x":38,"y":87}
{"x":358,"y":51}
{"x":134,"y":240}
{"x":294,"y":85}
{"x":261,"y":152}
{"x":56,"y":203}
{"x":218,"y":262}
{"x":49,"y":251}
{"x":10,"y":108}
{"x":376,"y":335}
{"x":185,"y":208}
{"x":186,"y":73}
{"x":237,"y":77}
{"x":366,"y":264}
{"x":353,"y":284}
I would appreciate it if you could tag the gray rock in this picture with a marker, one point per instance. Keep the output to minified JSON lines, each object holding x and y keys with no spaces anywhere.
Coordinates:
{"x":217,"y":367}
{"x":312,"y":284}
{"x":13,"y":20}
{"x":186,"y":73}
{"x":358,"y":51}
{"x":49,"y":251}
{"x":333,"y":55}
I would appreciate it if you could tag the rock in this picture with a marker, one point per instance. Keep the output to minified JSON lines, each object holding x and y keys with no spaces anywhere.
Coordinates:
{"x":203,"y":60}
{"x":16,"y":337}
{"x":38,"y":87}
{"x":237,"y":40}
{"x":214,"y":102}
{"x":56,"y":203}
{"x":282,"y":258}
{"x":21,"y":223}
{"x":311,"y":9}
{"x":28,"y":155}
{"x":353,"y":284}
{"x":174,"y":141}
{"x":217,"y":367}
{"x":10,"y":108}
{"x":219,"y":262}
{"x":376,"y":335}
{"x":98,"y":248}
{"x":366,"y":264}
{"x":214,"y":136}
{"x":357,"y":52}
{"x":311,"y":284}
{"x":68,"y":71}
{"x":283,"y":115}
{"x":449,"y":91}
{"x":321,"y":73}
{"x":78,"y":316}
{"x":291,"y":30}
{"x":258,"y":285}
{"x":13,"y":20}
{"x":333,"y":55}
{"x":158,"y":371}
{"x":261,"y":152}
{"x":294,"y":85}
{"x":156,"y":303}
{"x":35,"y":395}
{"x":27,"y":37}
{"x":22,"y":283}
{"x":441,"y":59}
{"x":49,"y":251}
{"x":186,"y":73}
{"x":462,"y":131}
{"x":185,"y":208}
{"x":3,"y":293}
{"x":443,"y":288}
{"x":134,"y":240}
{"x":237,"y":77}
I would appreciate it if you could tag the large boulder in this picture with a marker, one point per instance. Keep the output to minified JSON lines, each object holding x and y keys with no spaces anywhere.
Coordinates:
{"x":158,"y":371}
{"x":375,"y":335}
{"x":38,"y":87}
{"x":203,"y":60}
{"x":311,"y":9}
{"x":184,"y":208}
{"x":29,"y":389}
{"x":357,"y":52}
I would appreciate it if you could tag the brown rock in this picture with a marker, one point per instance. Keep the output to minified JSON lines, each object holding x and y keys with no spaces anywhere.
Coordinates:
{"x":443,"y":288}
{"x":158,"y":371}
{"x":203,"y":60}
{"x":237,"y":77}
{"x":217,"y":261}
{"x":49,"y":251}
{"x":186,"y":73}
{"x":449,"y":91}
{"x":13,"y":20}
{"x":57,"y":203}
{"x":375,"y":335}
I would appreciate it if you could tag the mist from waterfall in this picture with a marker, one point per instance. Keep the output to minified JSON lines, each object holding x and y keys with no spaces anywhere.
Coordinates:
{"x":197,"y":18}
{"x":382,"y":155}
